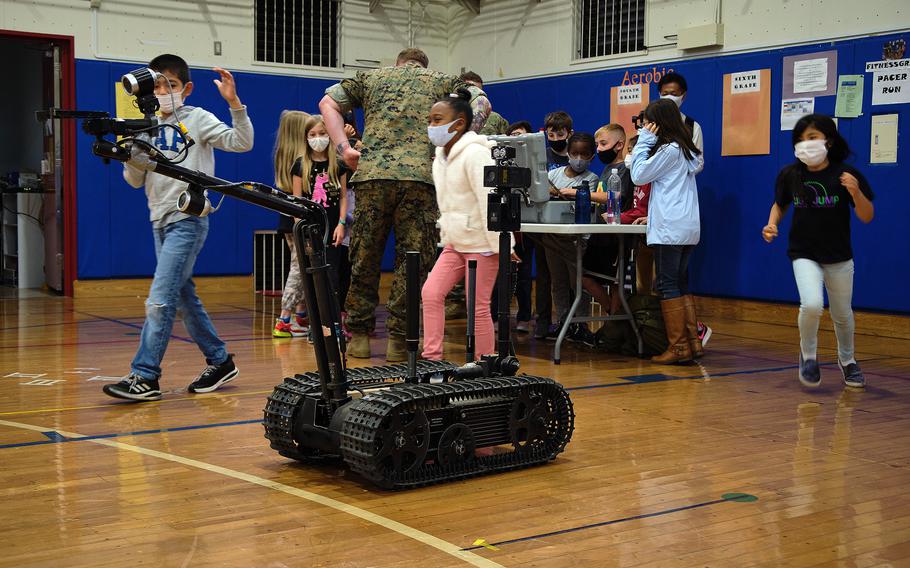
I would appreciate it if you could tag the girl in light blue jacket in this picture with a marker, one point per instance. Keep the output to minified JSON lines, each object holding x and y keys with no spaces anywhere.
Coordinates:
{"x":666,"y":157}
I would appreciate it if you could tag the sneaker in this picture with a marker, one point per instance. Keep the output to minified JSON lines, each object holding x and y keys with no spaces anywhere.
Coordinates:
{"x":579,"y":333}
{"x":541,"y":329}
{"x":215,"y":375}
{"x":282,"y":329}
{"x":704,"y":333}
{"x":522,"y":326}
{"x":853,"y":376}
{"x":553,"y":331}
{"x":809,"y":373}
{"x":299,"y":326}
{"x":134,"y":387}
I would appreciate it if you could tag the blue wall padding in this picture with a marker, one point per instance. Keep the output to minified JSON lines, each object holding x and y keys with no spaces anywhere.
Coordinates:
{"x":735,"y":192}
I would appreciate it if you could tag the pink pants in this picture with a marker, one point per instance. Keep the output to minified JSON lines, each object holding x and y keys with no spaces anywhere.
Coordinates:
{"x":451,"y":268}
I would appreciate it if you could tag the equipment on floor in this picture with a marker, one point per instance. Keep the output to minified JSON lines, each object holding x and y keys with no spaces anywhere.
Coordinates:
{"x":399,"y":426}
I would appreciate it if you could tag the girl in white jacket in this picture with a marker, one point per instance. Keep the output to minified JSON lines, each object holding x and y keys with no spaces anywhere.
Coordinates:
{"x":458,"y":175}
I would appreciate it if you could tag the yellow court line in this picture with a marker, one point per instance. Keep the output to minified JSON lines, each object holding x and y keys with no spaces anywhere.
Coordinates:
{"x":194,"y":398}
{"x":379,"y":520}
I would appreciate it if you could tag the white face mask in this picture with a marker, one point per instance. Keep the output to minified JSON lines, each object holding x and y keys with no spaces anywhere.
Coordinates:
{"x":811,"y":152}
{"x":170,"y":102}
{"x":319,"y":143}
{"x":675,"y":99}
{"x":440,"y":135}
{"x":628,"y":160}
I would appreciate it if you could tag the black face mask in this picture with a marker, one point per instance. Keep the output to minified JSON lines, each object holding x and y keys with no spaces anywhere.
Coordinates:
{"x":607,"y":156}
{"x":558,"y":145}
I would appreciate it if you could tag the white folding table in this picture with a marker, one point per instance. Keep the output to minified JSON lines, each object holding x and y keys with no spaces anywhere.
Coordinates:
{"x":579,"y":231}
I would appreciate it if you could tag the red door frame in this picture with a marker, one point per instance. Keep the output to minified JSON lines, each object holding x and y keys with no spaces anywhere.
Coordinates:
{"x":67,"y":100}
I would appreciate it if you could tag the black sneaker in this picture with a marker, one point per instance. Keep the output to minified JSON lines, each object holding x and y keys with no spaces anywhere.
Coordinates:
{"x":134,"y":387}
{"x":809,"y":373}
{"x":579,"y":333}
{"x":214,"y":376}
{"x":541,"y":328}
{"x":553,"y":332}
{"x":853,"y":376}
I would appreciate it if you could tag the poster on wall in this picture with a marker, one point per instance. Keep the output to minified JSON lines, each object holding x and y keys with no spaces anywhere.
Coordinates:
{"x":625,"y":102}
{"x":125,"y":104}
{"x":747,"y":113}
{"x":791,"y":110}
{"x":810,"y":75}
{"x":849,"y":103}
{"x":890,"y":81}
{"x":883,"y":147}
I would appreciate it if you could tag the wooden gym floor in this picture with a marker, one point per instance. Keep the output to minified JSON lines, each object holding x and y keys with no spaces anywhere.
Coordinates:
{"x":723,"y":463}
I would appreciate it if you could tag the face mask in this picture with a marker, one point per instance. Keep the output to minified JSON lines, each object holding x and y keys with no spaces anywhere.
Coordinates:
{"x":675,"y":99}
{"x":440,"y":135}
{"x":170,"y":102}
{"x":628,"y":161}
{"x":578,"y":164}
{"x":558,"y":145}
{"x":811,"y":152}
{"x":607,"y":156}
{"x":319,"y":143}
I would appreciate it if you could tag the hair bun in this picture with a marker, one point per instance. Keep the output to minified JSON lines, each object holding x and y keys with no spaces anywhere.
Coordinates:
{"x":461,"y":93}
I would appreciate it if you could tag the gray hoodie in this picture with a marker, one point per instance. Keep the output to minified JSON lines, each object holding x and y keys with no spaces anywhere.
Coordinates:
{"x":209,"y":133}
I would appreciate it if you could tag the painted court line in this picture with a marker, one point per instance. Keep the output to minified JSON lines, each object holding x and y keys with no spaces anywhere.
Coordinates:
{"x":400,"y":528}
{"x":738,"y":497}
{"x":55,"y":437}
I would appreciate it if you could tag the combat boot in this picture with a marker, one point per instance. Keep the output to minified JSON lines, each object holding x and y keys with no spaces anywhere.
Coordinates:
{"x":396,"y":350}
{"x":678,"y":351}
{"x":359,"y":346}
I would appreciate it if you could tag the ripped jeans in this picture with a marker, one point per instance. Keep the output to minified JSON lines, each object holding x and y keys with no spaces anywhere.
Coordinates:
{"x":176,"y":246}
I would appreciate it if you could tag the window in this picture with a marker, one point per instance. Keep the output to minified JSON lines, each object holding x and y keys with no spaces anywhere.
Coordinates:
{"x":297,"y":32}
{"x":609,"y":27}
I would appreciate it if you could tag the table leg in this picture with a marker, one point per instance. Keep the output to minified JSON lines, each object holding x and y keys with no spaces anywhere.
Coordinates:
{"x":621,"y":290}
{"x":578,"y":295}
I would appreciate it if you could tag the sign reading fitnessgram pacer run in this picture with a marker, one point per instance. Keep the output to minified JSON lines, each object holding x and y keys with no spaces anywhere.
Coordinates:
{"x":890,"y":81}
{"x":747,"y":113}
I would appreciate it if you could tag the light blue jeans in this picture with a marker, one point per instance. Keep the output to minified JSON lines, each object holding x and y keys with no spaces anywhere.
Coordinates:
{"x":176,"y":246}
{"x":837,"y":279}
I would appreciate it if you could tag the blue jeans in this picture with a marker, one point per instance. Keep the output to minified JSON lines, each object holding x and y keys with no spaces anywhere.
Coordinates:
{"x":176,"y":246}
{"x":672,"y":263}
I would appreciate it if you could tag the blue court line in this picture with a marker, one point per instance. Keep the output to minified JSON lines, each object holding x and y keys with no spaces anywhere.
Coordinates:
{"x":725,"y":498}
{"x":132,"y":325}
{"x":57,"y":438}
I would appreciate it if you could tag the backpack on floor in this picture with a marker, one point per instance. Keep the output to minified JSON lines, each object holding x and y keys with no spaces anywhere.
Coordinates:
{"x":618,"y":337}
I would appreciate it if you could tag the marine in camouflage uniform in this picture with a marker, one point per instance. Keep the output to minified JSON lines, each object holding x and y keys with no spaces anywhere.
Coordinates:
{"x":495,"y":125}
{"x":393,"y":182}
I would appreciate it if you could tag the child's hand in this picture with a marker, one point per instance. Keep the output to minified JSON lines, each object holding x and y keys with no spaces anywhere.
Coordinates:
{"x":849,"y":182}
{"x":568,"y":192}
{"x":652,"y":126}
{"x":349,"y":131}
{"x":769,"y":233}
{"x":338,"y":235}
{"x":227,"y":87}
{"x":515,"y":258}
{"x":640,"y":220}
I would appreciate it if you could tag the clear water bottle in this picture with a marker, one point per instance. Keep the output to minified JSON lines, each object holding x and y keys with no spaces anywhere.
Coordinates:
{"x":614,"y":186}
{"x":583,"y":203}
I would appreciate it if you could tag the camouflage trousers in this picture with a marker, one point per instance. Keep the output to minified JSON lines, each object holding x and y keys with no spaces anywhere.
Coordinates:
{"x":409,"y":208}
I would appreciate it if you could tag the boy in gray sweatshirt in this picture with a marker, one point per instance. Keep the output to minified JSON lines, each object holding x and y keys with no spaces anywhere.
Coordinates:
{"x":179,"y":237}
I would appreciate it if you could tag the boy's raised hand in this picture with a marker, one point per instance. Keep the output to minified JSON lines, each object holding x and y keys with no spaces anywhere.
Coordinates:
{"x":227,"y":87}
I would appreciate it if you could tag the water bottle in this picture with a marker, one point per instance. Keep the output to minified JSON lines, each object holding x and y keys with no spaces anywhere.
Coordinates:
{"x":614,"y":185}
{"x":583,"y":204}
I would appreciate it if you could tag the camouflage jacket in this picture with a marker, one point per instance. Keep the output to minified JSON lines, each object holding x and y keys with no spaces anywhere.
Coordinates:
{"x":495,"y":124}
{"x":396,"y":104}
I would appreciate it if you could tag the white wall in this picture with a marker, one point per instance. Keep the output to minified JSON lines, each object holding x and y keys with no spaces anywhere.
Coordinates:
{"x":128,"y":30}
{"x":510,"y":39}
{"x":513,"y":39}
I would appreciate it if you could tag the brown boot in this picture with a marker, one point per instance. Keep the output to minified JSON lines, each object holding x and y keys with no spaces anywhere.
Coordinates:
{"x":359,"y":346}
{"x":396,"y":350}
{"x":692,"y":328}
{"x":674,"y":312}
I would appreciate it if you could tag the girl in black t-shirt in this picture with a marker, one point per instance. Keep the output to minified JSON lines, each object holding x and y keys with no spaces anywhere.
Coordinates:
{"x":822,"y":189}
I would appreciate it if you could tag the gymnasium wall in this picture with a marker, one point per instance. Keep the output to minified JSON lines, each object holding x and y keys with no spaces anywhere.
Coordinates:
{"x":735,"y":193}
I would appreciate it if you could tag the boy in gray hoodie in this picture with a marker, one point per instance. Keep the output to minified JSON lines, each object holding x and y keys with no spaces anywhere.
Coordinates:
{"x":179,"y":237}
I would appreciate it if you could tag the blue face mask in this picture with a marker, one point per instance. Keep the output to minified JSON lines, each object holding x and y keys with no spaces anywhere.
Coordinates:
{"x":579,"y":164}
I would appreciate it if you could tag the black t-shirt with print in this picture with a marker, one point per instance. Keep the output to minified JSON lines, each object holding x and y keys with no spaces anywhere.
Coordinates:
{"x":332,"y":193}
{"x":554,"y":160}
{"x":821,"y":212}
